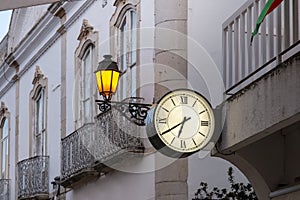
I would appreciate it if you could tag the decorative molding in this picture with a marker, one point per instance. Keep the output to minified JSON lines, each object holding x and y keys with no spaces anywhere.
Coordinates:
{"x":3,"y":110}
{"x":120,"y":11}
{"x":86,"y":30}
{"x":38,"y":75}
{"x":60,"y":13}
{"x":117,"y":2}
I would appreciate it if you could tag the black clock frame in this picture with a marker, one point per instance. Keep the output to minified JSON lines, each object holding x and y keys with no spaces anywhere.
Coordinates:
{"x":156,"y":141}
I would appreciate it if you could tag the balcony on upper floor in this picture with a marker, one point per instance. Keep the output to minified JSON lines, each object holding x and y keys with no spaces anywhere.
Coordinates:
{"x":33,"y":178}
{"x":4,"y":189}
{"x":96,"y":147}
{"x":276,"y":41}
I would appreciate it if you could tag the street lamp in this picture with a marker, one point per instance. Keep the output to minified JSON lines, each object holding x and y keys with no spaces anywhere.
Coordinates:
{"x":107,"y":76}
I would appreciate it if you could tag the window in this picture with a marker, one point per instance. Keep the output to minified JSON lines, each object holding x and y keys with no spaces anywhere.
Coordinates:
{"x":38,"y":114}
{"x":4,"y":141}
{"x":127,"y":53}
{"x":86,"y":85}
{"x":4,"y":148}
{"x":85,"y":65}
{"x":39,"y":122}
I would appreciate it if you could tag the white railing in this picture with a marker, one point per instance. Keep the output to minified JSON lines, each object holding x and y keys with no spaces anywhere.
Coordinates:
{"x":278,"y":35}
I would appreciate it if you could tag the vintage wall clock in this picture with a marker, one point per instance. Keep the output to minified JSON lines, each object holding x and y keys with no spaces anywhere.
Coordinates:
{"x":182,"y":123}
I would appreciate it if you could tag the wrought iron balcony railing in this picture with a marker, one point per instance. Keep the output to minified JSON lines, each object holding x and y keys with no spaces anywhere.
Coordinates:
{"x":96,"y":143}
{"x":4,"y":189}
{"x":33,"y":177}
{"x":277,"y":40}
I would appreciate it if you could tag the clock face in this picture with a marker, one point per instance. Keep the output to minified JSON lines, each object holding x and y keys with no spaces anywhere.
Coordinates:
{"x":184,"y":121}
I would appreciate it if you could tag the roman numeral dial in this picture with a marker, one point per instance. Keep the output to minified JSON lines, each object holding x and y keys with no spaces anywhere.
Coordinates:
{"x":183,"y":121}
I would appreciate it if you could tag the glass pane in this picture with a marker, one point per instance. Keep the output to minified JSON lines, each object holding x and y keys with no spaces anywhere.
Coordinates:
{"x":44,"y":110}
{"x":99,"y":83}
{"x":133,"y":81}
{"x":87,"y":74}
{"x":4,"y":129}
{"x":86,"y":108}
{"x":124,"y":86}
{"x":40,"y":122}
{"x":115,"y":80}
{"x":4,"y":158}
{"x":106,"y":80}
{"x":124,"y":45}
{"x":38,"y":144}
{"x":44,"y":143}
{"x":133,"y":37}
{"x":39,"y":114}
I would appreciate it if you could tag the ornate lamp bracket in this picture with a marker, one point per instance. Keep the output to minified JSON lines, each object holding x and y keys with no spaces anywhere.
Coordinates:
{"x":130,"y":108}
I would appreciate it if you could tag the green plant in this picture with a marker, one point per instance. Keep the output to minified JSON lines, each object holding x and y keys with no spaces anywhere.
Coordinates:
{"x":238,"y":191}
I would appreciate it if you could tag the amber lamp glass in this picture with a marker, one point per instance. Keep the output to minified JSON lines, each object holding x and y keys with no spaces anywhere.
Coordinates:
{"x":107,"y":75}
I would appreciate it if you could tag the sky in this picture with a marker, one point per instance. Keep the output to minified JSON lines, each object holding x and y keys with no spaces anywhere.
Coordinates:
{"x":4,"y":22}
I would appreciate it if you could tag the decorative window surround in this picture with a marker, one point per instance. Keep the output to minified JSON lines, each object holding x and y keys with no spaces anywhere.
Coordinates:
{"x":38,"y":114}
{"x":86,"y":56}
{"x":4,"y":141}
{"x":124,"y":27}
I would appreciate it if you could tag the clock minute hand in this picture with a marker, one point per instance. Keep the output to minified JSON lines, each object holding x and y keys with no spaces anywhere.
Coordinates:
{"x":183,"y":121}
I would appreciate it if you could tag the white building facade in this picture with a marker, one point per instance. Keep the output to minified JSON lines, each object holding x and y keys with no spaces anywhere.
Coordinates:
{"x":49,"y":125}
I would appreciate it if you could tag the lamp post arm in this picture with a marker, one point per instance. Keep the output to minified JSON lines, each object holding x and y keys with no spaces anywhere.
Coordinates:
{"x":133,"y":111}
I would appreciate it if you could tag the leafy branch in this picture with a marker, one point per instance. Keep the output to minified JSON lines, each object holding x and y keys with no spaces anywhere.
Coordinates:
{"x":238,"y":191}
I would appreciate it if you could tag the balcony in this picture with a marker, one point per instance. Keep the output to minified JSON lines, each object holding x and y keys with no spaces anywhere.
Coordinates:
{"x":277,"y":41}
{"x":263,"y":103}
{"x":95,"y":147}
{"x":33,"y":178}
{"x":4,"y":189}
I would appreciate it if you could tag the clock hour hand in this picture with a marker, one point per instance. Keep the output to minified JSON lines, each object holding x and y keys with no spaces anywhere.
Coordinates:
{"x":184,"y":120}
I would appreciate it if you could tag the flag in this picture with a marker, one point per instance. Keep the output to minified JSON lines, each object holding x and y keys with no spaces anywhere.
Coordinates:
{"x":269,"y":7}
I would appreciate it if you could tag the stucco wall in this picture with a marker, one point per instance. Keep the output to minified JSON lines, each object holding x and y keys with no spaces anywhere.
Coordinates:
{"x":269,"y":104}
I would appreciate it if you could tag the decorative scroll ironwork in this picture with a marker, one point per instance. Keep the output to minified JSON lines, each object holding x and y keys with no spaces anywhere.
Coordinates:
{"x":33,"y":177}
{"x":130,"y":108}
{"x":99,"y":142}
{"x":75,"y":156}
{"x":4,"y":189}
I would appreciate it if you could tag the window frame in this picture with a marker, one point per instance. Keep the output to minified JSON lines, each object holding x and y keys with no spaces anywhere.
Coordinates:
{"x":125,"y":56}
{"x":85,"y":89}
{"x":4,"y":120}
{"x":39,"y":133}
{"x":88,"y":42}
{"x":38,"y":92}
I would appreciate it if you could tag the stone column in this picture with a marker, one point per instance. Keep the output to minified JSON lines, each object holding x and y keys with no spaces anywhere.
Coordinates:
{"x":170,"y":73}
